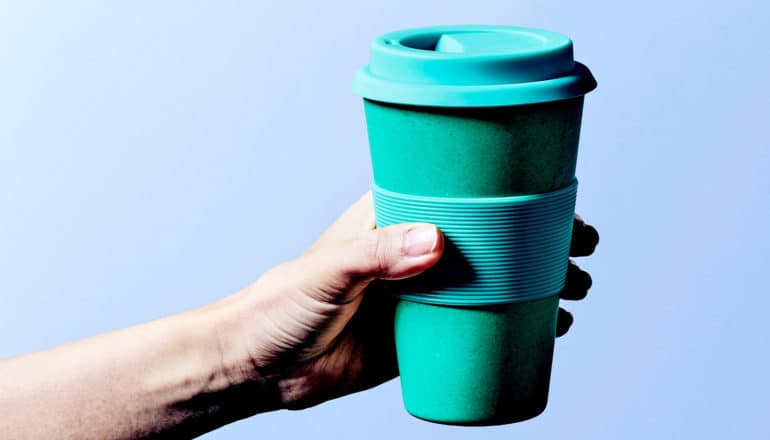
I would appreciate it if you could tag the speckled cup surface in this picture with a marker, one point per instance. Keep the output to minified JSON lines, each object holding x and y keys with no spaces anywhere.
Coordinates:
{"x":474,"y":365}
{"x":474,"y":152}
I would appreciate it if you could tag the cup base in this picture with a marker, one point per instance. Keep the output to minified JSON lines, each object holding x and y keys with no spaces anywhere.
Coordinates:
{"x":476,"y":366}
{"x":514,"y":417}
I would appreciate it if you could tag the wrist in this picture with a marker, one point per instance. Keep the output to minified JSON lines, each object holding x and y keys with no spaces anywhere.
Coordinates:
{"x":202,"y":377}
{"x":240,"y":377}
{"x":251,"y":353}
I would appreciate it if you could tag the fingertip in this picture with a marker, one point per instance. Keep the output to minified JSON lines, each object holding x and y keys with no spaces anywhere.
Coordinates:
{"x":438,"y":246}
{"x":577,"y":283}
{"x":585,"y":238}
{"x":587,"y":281}
{"x":396,"y":251}
{"x":423,"y":245}
{"x":564,"y":321}
{"x":592,"y":236}
{"x":421,"y":239}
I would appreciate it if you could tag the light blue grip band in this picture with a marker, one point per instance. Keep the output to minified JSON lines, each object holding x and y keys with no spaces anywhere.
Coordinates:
{"x":497,"y":249}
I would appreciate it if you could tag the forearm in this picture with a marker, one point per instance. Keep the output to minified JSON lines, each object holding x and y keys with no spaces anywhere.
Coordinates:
{"x":177,"y":376}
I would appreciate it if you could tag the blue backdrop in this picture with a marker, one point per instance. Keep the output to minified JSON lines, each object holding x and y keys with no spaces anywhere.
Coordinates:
{"x":155,"y":156}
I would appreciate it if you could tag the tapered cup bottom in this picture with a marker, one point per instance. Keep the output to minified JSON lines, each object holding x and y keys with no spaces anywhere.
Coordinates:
{"x":476,"y":365}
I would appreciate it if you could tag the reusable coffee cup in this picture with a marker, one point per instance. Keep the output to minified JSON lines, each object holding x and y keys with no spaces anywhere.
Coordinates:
{"x":475,"y":129}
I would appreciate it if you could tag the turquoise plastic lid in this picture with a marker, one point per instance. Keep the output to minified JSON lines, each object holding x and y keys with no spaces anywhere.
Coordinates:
{"x":472,"y":66}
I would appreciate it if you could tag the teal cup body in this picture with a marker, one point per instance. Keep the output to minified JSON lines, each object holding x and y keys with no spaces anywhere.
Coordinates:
{"x":476,"y":129}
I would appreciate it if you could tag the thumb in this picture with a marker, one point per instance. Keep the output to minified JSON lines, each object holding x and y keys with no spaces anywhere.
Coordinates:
{"x":393,"y":252}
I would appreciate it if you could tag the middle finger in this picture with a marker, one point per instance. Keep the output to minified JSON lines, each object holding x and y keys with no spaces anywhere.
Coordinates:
{"x":577,"y":284}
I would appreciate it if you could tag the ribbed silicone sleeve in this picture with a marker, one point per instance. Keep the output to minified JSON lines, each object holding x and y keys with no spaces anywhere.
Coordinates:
{"x":497,"y":249}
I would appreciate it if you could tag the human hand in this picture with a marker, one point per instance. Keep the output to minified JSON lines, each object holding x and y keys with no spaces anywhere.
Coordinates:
{"x":316,"y":328}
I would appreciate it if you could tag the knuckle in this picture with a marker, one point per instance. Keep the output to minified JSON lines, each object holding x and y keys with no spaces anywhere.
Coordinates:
{"x":376,"y":250}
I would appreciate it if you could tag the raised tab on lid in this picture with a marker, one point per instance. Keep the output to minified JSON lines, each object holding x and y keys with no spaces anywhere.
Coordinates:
{"x":483,"y":43}
{"x":522,"y":56}
{"x":498,"y":42}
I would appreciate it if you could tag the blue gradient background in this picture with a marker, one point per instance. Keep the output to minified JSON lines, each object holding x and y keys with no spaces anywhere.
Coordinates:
{"x":155,"y":156}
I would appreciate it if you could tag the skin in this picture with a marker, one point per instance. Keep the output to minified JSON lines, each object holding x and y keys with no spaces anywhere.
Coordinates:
{"x":306,"y":331}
